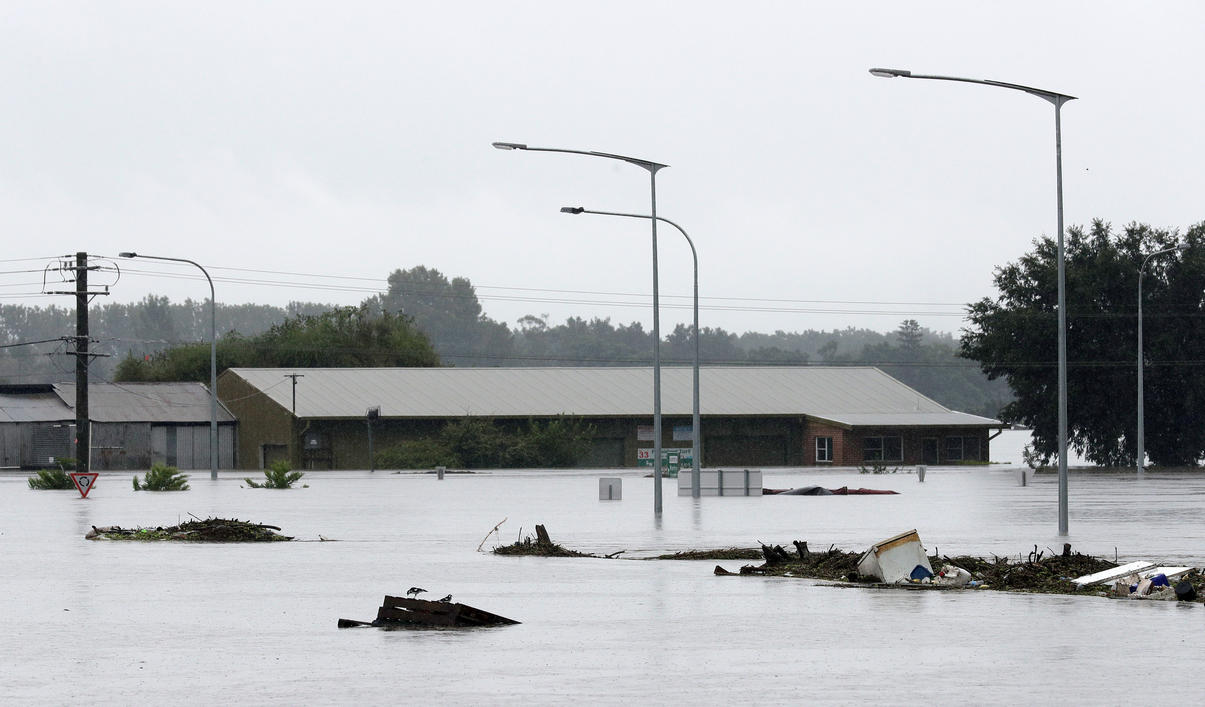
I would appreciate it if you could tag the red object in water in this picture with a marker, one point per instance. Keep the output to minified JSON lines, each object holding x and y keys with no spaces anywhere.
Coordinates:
{"x":847,"y":491}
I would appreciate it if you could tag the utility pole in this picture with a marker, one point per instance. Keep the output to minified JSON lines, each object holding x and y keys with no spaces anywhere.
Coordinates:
{"x":83,"y":357}
{"x":83,"y":437}
{"x":294,"y":376}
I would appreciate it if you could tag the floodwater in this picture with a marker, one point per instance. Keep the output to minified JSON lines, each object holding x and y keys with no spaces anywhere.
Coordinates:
{"x":108,"y":623}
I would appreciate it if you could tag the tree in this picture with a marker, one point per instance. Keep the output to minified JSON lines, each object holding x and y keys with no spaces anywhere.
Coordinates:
{"x":346,"y":337}
{"x":450,"y":314}
{"x":909,"y":335}
{"x":1014,"y":337}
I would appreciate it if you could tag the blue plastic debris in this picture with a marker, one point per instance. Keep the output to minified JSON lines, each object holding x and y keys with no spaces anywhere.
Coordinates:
{"x":920,"y":572}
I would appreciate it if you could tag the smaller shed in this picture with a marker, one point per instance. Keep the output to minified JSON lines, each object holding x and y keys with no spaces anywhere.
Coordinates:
{"x":134,"y":425}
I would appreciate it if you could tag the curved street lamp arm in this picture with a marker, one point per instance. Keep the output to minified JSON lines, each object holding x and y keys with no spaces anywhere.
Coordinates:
{"x":580,"y":210}
{"x":1182,"y":246}
{"x":696,"y":424}
{"x":213,"y":356}
{"x":652,"y":168}
{"x":645,"y":164}
{"x":1057,"y":99}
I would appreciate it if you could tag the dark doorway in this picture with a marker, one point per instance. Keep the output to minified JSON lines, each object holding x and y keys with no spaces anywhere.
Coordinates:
{"x":928,"y":451}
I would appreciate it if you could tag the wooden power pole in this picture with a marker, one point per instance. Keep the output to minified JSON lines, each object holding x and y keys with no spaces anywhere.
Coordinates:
{"x":83,"y":437}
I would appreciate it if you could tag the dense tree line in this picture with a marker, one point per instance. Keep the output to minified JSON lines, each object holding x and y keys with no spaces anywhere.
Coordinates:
{"x":138,"y":330}
{"x":346,"y":337}
{"x":1014,"y":336}
{"x":155,"y":339}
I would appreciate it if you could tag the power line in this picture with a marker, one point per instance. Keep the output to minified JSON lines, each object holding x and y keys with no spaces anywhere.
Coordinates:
{"x":563,"y":301}
{"x":32,"y":343}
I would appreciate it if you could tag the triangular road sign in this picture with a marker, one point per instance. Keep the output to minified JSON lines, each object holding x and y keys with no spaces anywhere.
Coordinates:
{"x":83,"y":481}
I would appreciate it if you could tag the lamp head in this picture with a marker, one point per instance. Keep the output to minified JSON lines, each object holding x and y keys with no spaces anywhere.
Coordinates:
{"x":890,"y":73}
{"x":1183,"y":246}
{"x":572,"y":209}
{"x":510,"y":146}
{"x":127,"y":255}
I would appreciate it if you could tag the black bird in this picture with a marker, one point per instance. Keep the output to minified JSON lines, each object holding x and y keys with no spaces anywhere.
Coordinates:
{"x":446,"y":599}
{"x":414,"y":592}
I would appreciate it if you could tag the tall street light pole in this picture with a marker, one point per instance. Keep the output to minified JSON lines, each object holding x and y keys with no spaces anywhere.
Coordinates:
{"x":652,"y":168}
{"x":213,"y":359}
{"x":696,"y":430}
{"x":1142,"y":362}
{"x":1057,"y":100}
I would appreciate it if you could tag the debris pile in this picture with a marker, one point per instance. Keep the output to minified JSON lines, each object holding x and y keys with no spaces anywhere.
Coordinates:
{"x":210,"y":530}
{"x":540,"y":546}
{"x":831,"y":564}
{"x":1041,"y":573}
{"x":732,"y":553}
{"x":896,"y":563}
{"x":398,"y":612}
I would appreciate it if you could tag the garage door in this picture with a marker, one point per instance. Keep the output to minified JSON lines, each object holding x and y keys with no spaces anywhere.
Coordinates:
{"x":744,"y":451}
{"x":607,"y":453}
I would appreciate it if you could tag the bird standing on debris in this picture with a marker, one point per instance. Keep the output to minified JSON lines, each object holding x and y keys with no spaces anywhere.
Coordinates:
{"x":415,"y":591}
{"x":446,"y":599}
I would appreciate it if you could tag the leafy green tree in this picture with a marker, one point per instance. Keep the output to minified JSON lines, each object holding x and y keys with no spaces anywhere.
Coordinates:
{"x":450,"y":314}
{"x":909,"y":335}
{"x":1015,"y":335}
{"x":578,"y":342}
{"x":347,"y":337}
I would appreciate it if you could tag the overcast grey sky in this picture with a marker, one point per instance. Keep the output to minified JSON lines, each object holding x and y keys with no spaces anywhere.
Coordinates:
{"x":351,"y":139}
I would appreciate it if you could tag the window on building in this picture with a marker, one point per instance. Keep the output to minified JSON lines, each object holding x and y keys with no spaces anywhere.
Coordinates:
{"x":962,"y":449}
{"x":883,"y":449}
{"x":824,"y":449}
{"x":971,"y":449}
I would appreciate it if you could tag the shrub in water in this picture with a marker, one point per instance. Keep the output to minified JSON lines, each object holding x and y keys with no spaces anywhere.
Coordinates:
{"x":479,"y":443}
{"x":51,"y":480}
{"x":162,"y":478}
{"x":278,"y":476}
{"x":417,"y":454}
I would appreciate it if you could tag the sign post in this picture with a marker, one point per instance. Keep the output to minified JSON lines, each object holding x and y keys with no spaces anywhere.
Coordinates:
{"x":84,"y":481}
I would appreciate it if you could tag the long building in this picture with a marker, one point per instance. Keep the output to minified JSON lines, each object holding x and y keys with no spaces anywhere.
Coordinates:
{"x":751,"y":416}
{"x":134,"y":425}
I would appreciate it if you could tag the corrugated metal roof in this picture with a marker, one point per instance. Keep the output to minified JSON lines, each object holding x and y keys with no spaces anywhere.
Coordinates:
{"x":33,"y":407}
{"x":821,"y":391}
{"x":910,"y":419}
{"x":145,"y":402}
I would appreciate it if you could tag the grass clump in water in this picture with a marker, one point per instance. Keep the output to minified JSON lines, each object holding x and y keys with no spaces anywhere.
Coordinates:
{"x":162,"y":478}
{"x":278,"y":476}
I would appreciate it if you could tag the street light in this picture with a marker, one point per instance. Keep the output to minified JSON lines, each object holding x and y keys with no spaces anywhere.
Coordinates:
{"x":1057,"y":100}
{"x":652,"y":168}
{"x":1142,"y":363}
{"x":695,"y":428}
{"x":213,"y":359}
